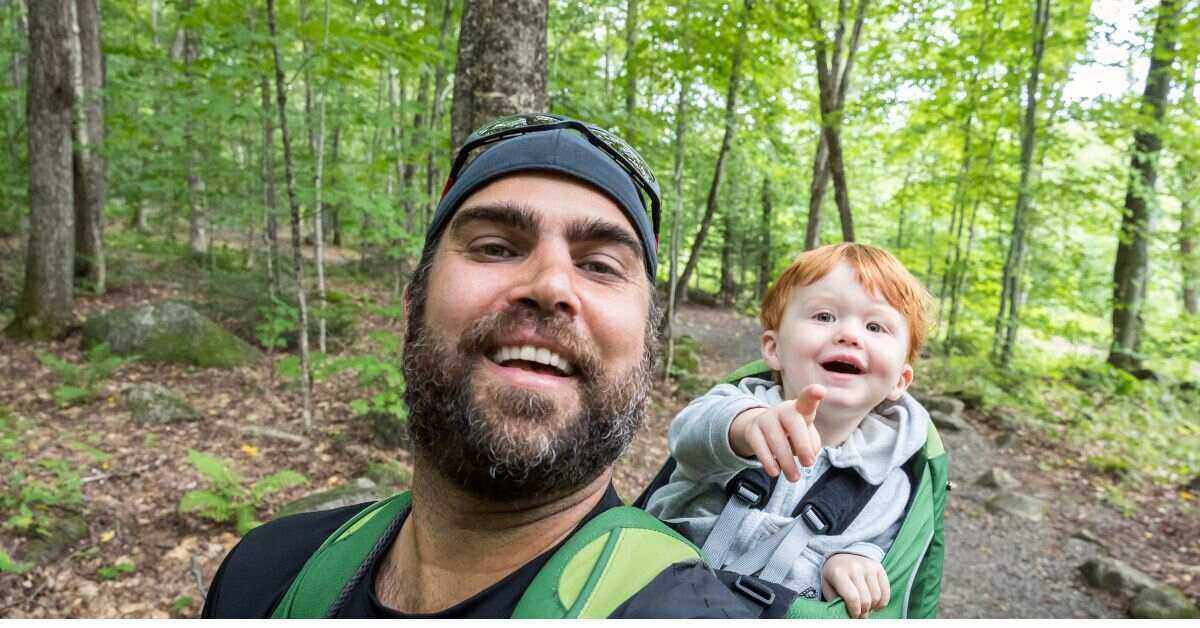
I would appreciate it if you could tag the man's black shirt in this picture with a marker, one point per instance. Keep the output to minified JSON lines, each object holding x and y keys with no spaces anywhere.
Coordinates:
{"x":258,"y":572}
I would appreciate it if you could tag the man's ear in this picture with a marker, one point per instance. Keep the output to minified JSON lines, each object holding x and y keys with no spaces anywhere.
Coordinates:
{"x":770,"y":349}
{"x":906,"y":378}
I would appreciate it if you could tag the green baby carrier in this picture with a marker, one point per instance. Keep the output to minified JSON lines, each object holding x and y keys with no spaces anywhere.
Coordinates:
{"x":616,"y":554}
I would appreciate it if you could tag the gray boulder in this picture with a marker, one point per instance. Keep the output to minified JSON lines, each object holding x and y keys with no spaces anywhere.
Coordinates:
{"x":356,"y":492}
{"x":997,"y":478}
{"x":60,"y":537}
{"x":946,"y":405}
{"x":948,"y":422}
{"x":171,"y":332}
{"x":1022,"y":506}
{"x":152,"y":404}
{"x":1151,"y":599}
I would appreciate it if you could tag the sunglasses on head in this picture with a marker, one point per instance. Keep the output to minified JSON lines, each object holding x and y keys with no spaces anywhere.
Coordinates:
{"x":616,"y":148}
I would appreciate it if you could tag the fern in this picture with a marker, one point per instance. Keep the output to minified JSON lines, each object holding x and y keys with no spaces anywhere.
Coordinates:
{"x":227,"y":499}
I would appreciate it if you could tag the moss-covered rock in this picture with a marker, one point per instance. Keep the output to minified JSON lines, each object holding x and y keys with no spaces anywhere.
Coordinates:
{"x":152,"y":404}
{"x":356,"y":492}
{"x":170,"y":331}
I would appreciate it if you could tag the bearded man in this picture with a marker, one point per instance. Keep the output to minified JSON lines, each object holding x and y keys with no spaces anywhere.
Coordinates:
{"x":528,"y":356}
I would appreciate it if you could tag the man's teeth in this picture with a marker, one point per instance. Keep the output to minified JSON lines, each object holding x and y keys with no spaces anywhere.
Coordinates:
{"x":530,"y":353}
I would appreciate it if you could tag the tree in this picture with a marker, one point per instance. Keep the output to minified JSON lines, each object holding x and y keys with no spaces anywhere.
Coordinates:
{"x":501,"y":62}
{"x":1007,"y":319}
{"x":681,"y":108}
{"x":1132,"y":264}
{"x":45,"y":307}
{"x":714,"y":188}
{"x":1188,"y":192}
{"x":187,"y":48}
{"x":832,"y":81}
{"x":90,"y":168}
{"x":294,"y":203}
{"x":764,"y":252}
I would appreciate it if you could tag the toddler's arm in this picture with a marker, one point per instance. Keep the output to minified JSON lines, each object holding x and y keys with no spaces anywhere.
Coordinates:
{"x":699,"y":435}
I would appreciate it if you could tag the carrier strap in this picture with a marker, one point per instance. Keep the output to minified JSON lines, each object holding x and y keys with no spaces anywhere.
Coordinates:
{"x":828,"y":508}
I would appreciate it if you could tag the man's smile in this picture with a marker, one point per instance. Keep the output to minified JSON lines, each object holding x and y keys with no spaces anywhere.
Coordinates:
{"x":538,"y":359}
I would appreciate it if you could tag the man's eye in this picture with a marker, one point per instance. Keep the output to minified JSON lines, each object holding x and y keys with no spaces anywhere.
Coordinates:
{"x":823,"y":317}
{"x":494,"y":249}
{"x":594,"y":266}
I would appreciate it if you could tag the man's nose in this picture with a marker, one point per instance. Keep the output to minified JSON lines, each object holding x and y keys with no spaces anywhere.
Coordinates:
{"x":550,"y":282}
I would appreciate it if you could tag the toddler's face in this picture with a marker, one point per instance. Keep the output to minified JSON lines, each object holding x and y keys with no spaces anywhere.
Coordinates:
{"x":837,"y":334}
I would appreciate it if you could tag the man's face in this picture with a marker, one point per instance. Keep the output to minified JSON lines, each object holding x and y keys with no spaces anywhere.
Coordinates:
{"x":529,"y":348}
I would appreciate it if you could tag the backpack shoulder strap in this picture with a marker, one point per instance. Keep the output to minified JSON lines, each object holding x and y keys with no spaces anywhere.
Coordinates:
{"x":605,"y":563}
{"x":336,"y":562}
{"x":834,"y":501}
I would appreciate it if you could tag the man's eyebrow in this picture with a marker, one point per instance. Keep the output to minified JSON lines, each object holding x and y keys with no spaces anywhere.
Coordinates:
{"x":597,"y":230}
{"x":507,"y":214}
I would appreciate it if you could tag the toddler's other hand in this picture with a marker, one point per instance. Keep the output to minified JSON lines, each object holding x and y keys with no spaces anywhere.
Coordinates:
{"x":859,"y":581}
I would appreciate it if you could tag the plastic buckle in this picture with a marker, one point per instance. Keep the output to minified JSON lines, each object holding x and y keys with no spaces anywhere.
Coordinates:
{"x":754,"y":589}
{"x":748,"y":493}
{"x":813,"y":519}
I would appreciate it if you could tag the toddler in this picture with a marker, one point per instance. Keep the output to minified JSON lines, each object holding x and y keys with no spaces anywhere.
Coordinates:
{"x":843,"y":325}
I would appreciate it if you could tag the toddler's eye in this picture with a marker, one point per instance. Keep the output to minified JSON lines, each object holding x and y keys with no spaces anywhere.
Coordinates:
{"x":823,"y":317}
{"x":875,"y":328}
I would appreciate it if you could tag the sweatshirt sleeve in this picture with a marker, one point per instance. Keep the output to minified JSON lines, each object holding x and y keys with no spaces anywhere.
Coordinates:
{"x":699,"y":434}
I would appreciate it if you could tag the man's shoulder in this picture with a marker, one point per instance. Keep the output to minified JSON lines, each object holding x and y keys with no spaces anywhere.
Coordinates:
{"x":260,"y":568}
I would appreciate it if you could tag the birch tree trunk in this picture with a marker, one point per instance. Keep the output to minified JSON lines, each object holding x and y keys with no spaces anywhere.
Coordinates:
{"x":501,"y":62}
{"x":710,"y":207}
{"x":270,"y":209}
{"x":44,"y":310}
{"x":1132,"y":265}
{"x":668,"y":323}
{"x":435,"y":114}
{"x":189,"y":48}
{"x":294,"y":202}
{"x":318,"y":228}
{"x":764,"y":259}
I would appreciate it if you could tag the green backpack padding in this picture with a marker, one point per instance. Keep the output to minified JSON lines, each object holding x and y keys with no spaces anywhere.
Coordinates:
{"x":602,"y":565}
{"x":914,"y":562}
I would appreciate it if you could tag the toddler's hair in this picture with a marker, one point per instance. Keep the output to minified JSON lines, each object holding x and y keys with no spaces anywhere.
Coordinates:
{"x":878,"y":271}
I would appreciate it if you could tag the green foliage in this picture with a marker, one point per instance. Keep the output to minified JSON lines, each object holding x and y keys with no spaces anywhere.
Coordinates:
{"x":8,"y":565}
{"x":115,"y":571}
{"x":81,"y":382}
{"x":379,"y":375}
{"x":685,"y":368}
{"x":34,"y":498}
{"x":181,"y":603}
{"x":227,"y":499}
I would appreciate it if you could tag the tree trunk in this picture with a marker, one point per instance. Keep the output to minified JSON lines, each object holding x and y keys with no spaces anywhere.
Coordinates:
{"x":189,"y":48}
{"x":501,"y":62}
{"x":89,"y":166}
{"x":710,"y":207}
{"x":728,"y":271}
{"x":833,"y":80}
{"x":435,"y":115}
{"x":764,"y":255}
{"x":962,"y":256}
{"x":1132,"y":265}
{"x":294,"y":202}
{"x":1188,"y":192}
{"x":44,"y":310}
{"x":334,"y":210}
{"x":816,"y":195}
{"x":1008,"y":318}
{"x":270,"y":211}
{"x":318,"y":207}
{"x":668,"y":323}
{"x":631,"y":77}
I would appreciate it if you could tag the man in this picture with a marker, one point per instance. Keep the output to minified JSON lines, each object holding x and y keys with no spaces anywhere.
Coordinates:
{"x":528,"y":357}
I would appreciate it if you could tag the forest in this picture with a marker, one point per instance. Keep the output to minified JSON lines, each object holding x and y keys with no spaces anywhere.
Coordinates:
{"x":255,"y":179}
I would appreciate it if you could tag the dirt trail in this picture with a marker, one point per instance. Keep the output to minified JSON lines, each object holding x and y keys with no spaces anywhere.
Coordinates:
{"x":995,"y":566}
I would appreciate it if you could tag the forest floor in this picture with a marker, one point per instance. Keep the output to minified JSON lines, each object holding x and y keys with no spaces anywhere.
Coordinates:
{"x":139,"y":557}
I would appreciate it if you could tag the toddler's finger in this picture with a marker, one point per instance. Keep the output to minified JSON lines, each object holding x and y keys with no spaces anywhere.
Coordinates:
{"x":781,"y":449}
{"x":885,"y":587}
{"x":810,"y":397}
{"x":758,"y":444}
{"x":872,"y":582}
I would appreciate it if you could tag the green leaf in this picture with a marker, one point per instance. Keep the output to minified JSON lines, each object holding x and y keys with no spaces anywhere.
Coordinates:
{"x":276,"y":482}
{"x":218,"y":471}
{"x":208,"y":504}
{"x":245,"y":520}
{"x":115,"y":571}
{"x":8,"y":565}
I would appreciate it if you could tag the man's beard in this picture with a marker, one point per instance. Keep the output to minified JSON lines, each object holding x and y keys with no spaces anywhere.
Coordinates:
{"x":504,"y":442}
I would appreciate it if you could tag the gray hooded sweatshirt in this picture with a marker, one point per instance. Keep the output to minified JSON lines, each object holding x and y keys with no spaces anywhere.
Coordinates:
{"x":695,"y":495}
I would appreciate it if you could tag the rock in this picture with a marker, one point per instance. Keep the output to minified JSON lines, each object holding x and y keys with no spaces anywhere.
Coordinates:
{"x":1006,"y":438}
{"x":997,"y":478}
{"x":1110,"y":574}
{"x":274,"y":434}
{"x":946,"y":405}
{"x":152,"y":404}
{"x":389,"y":474}
{"x":1023,"y":506}
{"x":390,"y":430}
{"x":356,"y":492}
{"x":1162,"y":602}
{"x":169,"y":331}
{"x":62,"y":535}
{"x":1085,"y":535}
{"x":1194,"y":485}
{"x":948,"y":422}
